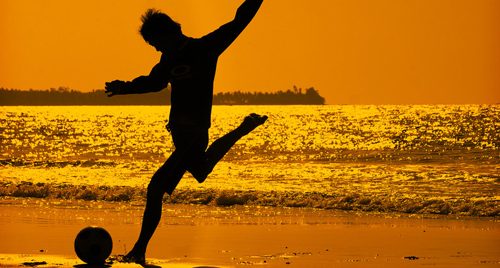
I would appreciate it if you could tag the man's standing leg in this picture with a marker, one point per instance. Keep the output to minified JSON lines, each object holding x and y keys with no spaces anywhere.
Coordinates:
{"x":172,"y":170}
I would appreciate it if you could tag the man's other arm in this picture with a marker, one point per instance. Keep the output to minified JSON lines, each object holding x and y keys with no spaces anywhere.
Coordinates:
{"x":143,"y":84}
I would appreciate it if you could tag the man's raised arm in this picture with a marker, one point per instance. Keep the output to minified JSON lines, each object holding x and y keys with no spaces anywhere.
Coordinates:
{"x":246,"y":12}
{"x":221,"y":38}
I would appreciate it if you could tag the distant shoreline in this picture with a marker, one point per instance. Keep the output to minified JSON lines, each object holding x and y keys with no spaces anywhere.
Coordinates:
{"x":67,"y":97}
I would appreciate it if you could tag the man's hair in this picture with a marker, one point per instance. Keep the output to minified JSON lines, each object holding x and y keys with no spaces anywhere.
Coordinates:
{"x":155,"y":23}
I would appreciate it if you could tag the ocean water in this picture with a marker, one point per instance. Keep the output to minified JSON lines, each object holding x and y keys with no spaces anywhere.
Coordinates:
{"x":420,"y":159}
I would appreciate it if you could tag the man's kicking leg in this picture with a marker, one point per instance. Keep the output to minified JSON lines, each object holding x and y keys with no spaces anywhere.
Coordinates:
{"x":221,"y":146}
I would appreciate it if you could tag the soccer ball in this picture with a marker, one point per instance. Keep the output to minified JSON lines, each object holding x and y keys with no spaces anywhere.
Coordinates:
{"x":93,"y":245}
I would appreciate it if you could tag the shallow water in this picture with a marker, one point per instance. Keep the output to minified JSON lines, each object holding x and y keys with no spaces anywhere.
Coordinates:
{"x":412,"y":159}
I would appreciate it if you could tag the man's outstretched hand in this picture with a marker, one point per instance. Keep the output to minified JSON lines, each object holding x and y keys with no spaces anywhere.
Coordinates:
{"x":114,"y":88}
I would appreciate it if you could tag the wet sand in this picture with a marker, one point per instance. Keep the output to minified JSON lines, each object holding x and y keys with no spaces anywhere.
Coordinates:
{"x":36,"y":231}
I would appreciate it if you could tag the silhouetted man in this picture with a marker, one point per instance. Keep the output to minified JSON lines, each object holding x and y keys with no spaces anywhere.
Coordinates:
{"x":188,"y":64}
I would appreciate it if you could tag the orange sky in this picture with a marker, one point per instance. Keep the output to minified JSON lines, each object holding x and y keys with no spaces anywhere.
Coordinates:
{"x":352,"y":51}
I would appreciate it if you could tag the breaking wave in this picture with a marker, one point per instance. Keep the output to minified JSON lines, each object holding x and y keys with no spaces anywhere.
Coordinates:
{"x":214,"y":197}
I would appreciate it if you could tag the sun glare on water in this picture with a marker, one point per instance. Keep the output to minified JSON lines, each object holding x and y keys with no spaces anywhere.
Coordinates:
{"x":343,"y":155}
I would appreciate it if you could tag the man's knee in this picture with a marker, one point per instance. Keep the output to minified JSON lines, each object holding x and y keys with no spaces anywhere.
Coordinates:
{"x":199,"y":170}
{"x":200,"y":176}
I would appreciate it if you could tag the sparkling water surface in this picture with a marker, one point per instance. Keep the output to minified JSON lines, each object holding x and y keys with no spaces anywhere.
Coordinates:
{"x":414,"y":159}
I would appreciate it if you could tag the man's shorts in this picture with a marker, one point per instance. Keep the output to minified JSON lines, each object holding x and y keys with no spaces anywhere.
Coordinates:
{"x":189,"y":155}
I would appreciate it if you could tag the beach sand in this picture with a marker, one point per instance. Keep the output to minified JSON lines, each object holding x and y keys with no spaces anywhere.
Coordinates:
{"x":41,"y":233}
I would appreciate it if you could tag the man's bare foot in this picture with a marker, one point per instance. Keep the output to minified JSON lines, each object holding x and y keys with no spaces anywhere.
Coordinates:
{"x":134,"y":256}
{"x":252,"y":121}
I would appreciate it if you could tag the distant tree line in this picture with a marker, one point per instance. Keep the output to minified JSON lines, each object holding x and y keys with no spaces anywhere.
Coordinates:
{"x":67,"y":96}
{"x":297,"y":96}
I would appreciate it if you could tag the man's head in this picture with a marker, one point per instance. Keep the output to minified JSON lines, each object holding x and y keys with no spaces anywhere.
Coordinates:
{"x":159,"y":30}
